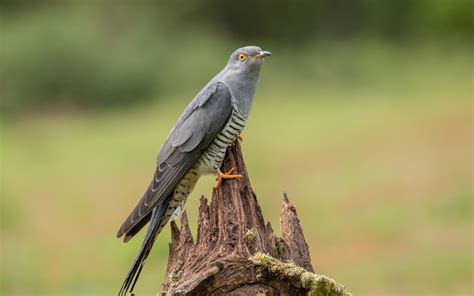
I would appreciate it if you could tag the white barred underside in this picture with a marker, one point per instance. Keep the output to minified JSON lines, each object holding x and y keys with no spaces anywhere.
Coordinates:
{"x":212,"y":159}
{"x":181,"y":192}
{"x":209,"y":163}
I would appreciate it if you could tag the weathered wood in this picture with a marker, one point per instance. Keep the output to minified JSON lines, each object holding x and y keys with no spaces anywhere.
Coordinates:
{"x":236,"y":253}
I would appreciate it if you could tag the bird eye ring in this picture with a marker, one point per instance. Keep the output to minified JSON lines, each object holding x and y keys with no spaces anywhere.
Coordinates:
{"x":242,"y":57}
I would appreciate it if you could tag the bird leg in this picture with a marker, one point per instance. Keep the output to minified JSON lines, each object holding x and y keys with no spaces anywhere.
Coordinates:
{"x":227,"y":175}
{"x":239,"y":138}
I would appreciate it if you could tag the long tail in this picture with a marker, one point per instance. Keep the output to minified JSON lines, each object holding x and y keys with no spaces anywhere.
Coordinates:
{"x":152,"y":232}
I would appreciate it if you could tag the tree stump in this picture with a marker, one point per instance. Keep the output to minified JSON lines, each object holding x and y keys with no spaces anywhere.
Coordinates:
{"x":236,"y":253}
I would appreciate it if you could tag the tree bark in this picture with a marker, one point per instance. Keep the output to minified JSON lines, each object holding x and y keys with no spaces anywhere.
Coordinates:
{"x":236,"y":253}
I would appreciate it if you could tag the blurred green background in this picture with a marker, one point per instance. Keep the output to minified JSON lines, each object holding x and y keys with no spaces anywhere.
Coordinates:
{"x":363,"y":115}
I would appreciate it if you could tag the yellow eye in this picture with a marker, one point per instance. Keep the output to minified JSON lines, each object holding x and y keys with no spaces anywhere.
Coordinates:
{"x":242,"y":57}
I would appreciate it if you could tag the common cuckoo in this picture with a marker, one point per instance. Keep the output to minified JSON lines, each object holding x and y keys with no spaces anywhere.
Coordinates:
{"x":195,"y":146}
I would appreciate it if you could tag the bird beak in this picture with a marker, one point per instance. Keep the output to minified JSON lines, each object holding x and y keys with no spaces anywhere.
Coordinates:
{"x":263,"y":54}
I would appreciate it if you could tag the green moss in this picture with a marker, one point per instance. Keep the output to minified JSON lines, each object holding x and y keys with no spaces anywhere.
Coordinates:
{"x":175,"y":276}
{"x":317,"y":285}
{"x":280,"y":245}
{"x":249,"y":235}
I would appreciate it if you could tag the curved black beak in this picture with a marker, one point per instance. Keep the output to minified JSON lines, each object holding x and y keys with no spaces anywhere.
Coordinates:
{"x":262,"y":54}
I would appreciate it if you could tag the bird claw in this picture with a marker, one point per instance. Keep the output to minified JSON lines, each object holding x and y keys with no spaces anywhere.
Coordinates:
{"x":239,"y":138}
{"x":227,"y":175}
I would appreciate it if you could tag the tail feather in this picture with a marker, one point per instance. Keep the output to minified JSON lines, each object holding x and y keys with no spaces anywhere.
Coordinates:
{"x":150,"y":236}
{"x":131,"y":233}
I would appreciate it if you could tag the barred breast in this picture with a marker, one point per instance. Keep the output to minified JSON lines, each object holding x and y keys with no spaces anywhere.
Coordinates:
{"x":208,"y":163}
{"x":212,"y":159}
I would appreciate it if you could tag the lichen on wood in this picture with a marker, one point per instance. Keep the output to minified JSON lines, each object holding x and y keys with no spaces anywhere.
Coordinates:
{"x":317,"y":285}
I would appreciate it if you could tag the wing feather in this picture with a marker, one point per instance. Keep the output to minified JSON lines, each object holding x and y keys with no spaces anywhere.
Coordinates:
{"x":197,"y":127}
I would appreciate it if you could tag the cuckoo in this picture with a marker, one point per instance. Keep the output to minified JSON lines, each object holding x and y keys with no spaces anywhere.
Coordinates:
{"x":211,"y":122}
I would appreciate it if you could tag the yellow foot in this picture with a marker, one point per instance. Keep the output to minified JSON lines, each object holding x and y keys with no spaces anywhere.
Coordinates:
{"x":227,"y":175}
{"x":239,"y":138}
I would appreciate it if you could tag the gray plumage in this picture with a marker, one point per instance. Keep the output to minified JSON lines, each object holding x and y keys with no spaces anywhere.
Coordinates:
{"x":195,"y":146}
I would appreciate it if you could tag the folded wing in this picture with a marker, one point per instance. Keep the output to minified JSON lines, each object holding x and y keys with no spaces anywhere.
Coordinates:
{"x":197,"y":127}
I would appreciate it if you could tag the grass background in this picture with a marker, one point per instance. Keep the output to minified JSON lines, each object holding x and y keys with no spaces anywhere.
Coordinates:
{"x":372,"y":140}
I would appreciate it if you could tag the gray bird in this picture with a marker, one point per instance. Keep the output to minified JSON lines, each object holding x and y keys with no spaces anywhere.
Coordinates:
{"x":195,"y":146}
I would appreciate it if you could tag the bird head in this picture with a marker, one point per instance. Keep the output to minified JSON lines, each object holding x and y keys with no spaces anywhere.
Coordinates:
{"x":247,"y":59}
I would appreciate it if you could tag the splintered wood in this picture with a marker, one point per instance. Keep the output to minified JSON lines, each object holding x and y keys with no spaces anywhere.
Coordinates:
{"x":236,"y":253}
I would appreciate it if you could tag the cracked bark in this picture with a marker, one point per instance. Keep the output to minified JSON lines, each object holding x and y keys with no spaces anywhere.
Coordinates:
{"x":236,"y":252}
